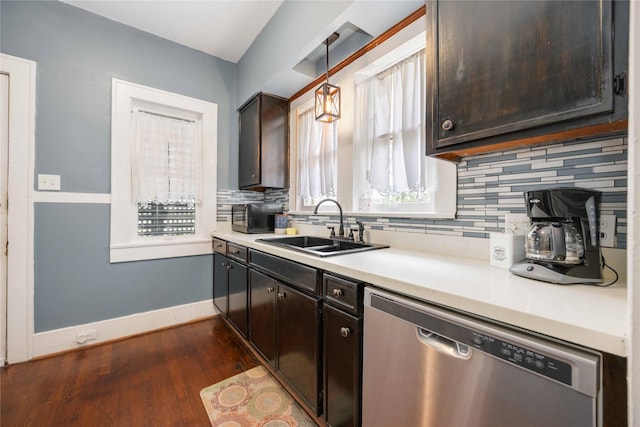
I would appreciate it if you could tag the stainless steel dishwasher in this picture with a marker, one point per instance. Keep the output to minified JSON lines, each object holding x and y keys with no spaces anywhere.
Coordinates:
{"x":427,"y":366}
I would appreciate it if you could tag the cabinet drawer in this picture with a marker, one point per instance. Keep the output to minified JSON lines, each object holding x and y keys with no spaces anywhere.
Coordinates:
{"x":290,"y":272}
{"x":343,"y":293}
{"x":220,"y":246}
{"x":237,"y":252}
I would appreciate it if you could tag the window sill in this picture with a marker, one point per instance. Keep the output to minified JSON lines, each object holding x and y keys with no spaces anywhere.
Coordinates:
{"x":160,"y":249}
{"x":427,"y":215}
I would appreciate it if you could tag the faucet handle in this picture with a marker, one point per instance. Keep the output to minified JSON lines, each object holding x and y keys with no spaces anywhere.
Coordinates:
{"x":360,"y":231}
{"x":351,"y":230}
{"x":333,"y":231}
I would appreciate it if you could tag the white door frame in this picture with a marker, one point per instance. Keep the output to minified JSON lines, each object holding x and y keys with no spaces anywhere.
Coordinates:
{"x":22,"y":113}
{"x":4,"y":174}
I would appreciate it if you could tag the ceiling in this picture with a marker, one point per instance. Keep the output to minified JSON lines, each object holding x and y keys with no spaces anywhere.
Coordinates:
{"x":222,"y":28}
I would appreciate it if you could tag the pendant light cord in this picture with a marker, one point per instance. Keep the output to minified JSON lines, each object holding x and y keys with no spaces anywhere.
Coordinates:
{"x":327,"y":43}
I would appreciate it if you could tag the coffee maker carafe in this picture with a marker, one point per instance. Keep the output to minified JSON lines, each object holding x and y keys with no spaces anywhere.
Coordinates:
{"x":562,"y":245}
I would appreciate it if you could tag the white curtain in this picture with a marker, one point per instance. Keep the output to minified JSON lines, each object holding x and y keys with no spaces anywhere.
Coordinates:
{"x":166,"y":159}
{"x":317,"y":158}
{"x":389,"y":131}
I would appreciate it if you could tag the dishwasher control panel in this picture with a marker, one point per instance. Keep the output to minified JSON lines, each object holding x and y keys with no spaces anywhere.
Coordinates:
{"x":524,"y":357}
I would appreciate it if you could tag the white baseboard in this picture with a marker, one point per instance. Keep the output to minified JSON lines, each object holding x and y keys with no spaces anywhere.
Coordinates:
{"x":64,"y":339}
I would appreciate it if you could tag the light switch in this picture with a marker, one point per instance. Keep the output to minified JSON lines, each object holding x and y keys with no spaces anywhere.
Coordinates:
{"x":48,"y":182}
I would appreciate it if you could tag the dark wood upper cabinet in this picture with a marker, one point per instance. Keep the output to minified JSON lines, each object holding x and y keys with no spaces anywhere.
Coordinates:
{"x":502,"y":74}
{"x":264,"y":143}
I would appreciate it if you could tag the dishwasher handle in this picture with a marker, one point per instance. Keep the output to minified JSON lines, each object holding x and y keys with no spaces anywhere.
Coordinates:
{"x":443,"y":345}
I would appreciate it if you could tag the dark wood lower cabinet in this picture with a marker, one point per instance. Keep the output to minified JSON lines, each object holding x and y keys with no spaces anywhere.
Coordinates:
{"x":342,"y":368}
{"x":285,"y":328}
{"x":614,"y":386}
{"x":238,"y":313}
{"x":230,"y":291}
{"x":298,"y":320}
{"x":220,"y":283}
{"x":262,"y":315}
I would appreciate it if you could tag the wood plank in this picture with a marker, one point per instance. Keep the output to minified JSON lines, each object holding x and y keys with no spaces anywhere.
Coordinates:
{"x":152,"y":379}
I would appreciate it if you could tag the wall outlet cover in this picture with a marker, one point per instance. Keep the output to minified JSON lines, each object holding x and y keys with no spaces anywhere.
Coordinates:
{"x":48,"y":182}
{"x":608,"y":231}
{"x":84,"y":336}
{"x":516,"y":223}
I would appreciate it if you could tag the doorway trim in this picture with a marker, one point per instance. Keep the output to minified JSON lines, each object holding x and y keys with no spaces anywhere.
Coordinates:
{"x":22,"y":113}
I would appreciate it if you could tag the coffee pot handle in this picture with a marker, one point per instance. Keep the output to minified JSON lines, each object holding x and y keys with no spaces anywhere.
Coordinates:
{"x":559,"y":250}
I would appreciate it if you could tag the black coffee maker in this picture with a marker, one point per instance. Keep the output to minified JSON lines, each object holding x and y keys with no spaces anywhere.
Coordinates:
{"x":562,"y":245}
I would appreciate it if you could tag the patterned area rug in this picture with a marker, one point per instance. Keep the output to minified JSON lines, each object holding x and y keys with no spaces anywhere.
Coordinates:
{"x":252,"y":398}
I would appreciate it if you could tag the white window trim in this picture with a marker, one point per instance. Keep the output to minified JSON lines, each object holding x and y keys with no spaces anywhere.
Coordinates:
{"x":125,"y":243}
{"x":294,"y":201}
{"x":402,"y":45}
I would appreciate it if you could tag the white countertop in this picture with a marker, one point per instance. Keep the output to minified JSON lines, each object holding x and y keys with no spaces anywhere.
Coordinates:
{"x":590,"y":316}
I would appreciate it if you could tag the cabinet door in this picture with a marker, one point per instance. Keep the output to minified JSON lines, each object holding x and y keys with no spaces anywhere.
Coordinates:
{"x":500,"y":67}
{"x":220,"y":283}
{"x":238,"y":296}
{"x":299,"y":334}
{"x":250,"y":147}
{"x":262,"y":314}
{"x":342,"y":376}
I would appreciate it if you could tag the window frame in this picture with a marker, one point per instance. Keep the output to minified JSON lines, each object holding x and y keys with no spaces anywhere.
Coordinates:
{"x":294,"y":168}
{"x":407,"y":42}
{"x":125,"y":244}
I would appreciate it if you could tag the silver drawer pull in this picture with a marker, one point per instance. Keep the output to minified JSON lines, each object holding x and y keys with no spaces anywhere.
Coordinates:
{"x":345,"y":332}
{"x":337,"y":292}
{"x":270,"y":289}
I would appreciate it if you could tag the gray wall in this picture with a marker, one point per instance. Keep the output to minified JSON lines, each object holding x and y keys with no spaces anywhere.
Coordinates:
{"x":77,"y":54}
{"x":297,"y":28}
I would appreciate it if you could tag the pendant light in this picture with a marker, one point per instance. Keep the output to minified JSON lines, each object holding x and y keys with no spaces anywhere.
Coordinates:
{"x":328,"y":95}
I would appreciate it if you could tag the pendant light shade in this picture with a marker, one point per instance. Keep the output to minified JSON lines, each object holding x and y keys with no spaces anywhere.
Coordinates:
{"x":328,"y":95}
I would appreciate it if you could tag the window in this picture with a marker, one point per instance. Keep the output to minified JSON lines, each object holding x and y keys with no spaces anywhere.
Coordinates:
{"x":376,"y":163}
{"x":163,"y":183}
{"x":165,"y":173}
{"x":317,"y":175}
{"x":392,"y":174}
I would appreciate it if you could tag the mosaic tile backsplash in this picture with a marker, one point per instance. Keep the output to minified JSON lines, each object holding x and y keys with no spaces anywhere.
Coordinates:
{"x":490,"y":185}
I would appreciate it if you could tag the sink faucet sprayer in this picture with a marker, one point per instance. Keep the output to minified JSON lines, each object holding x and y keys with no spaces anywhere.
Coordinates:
{"x":315,"y":211}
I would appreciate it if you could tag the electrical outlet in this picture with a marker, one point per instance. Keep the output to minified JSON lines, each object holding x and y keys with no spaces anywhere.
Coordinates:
{"x":48,"y":182}
{"x":608,"y":231}
{"x":83,"y":337}
{"x":516,"y":223}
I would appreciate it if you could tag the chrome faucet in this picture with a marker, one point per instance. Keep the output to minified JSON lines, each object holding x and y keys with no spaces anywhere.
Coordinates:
{"x":315,"y":211}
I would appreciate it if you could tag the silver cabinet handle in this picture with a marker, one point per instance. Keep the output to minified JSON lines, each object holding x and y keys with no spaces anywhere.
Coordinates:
{"x":282,"y":295}
{"x":270,"y":289}
{"x":447,"y":125}
{"x":337,"y":292}
{"x":345,"y":332}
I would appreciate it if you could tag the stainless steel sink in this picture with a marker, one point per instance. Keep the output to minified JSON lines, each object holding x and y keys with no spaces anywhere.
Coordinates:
{"x":320,"y":246}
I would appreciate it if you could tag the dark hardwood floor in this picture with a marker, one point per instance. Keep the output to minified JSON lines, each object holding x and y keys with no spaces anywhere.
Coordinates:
{"x":149,"y":380}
